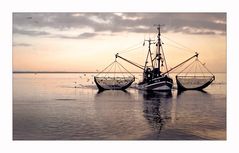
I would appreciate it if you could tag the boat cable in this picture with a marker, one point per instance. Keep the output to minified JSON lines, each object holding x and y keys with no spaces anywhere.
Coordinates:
{"x":165,"y":62}
{"x":105,"y":68}
{"x":120,"y":70}
{"x":186,"y":67}
{"x":135,"y":64}
{"x":183,"y":46}
{"x":115,"y":65}
{"x":171,"y":45}
{"x":201,"y":69}
{"x":109,"y":69}
{"x":125,"y":69}
{"x":131,"y":48}
{"x":206,"y":68}
{"x":197,"y":66}
{"x":114,"y":68}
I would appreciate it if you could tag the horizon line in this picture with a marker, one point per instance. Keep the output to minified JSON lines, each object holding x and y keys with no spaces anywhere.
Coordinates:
{"x":82,"y":72}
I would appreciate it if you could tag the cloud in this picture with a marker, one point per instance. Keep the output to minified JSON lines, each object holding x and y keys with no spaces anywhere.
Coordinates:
{"x":196,"y":23}
{"x":21,"y":44}
{"x":81,"y":36}
{"x":29,"y":32}
{"x":202,"y":31}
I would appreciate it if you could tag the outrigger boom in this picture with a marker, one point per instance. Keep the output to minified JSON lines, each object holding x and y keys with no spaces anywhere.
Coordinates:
{"x":137,"y":65}
{"x":196,"y":55}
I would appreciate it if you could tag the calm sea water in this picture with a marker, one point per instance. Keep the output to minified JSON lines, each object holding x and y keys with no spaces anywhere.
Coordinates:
{"x":69,"y":107}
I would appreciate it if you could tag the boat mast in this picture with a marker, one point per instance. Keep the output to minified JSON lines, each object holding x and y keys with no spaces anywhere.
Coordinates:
{"x":149,"y":53}
{"x":159,"y":45}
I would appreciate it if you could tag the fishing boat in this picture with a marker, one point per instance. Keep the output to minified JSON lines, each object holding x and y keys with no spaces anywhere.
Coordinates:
{"x":156,"y":73}
{"x":153,"y":77}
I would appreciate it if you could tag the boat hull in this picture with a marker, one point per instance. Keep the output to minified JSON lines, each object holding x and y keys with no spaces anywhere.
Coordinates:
{"x":158,"y":84}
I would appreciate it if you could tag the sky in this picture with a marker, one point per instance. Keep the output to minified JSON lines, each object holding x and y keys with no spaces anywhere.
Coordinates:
{"x":87,"y":42}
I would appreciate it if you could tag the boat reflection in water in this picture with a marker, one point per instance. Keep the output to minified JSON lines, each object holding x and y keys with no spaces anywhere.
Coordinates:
{"x":152,"y":115}
{"x":131,"y":115}
{"x":118,"y":116}
{"x":156,"y":106}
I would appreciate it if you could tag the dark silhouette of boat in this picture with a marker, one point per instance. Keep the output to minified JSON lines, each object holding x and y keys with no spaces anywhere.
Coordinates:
{"x":154,"y":79}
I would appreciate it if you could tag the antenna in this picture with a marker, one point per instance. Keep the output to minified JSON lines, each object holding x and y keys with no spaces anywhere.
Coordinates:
{"x":158,"y":27}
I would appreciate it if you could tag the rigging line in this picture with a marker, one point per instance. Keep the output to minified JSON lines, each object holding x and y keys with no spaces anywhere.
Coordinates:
{"x":114,"y":76}
{"x":137,"y":64}
{"x":138,"y":54}
{"x":186,"y":67}
{"x":165,"y":62}
{"x":114,"y":69}
{"x":190,"y":70}
{"x":120,"y":70}
{"x":191,"y":50}
{"x":130,"y":48}
{"x":201,"y":70}
{"x":178,"y":44}
{"x":146,"y":60}
{"x":105,"y":69}
{"x":167,"y":44}
{"x":126,"y":69}
{"x":205,"y":67}
{"x":195,"y":70}
{"x":110,"y":68}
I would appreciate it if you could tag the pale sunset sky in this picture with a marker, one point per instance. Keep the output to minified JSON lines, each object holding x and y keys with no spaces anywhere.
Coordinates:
{"x":89,"y":41}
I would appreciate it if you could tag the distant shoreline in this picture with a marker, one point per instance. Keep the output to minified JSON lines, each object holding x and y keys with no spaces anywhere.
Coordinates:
{"x":77,"y":72}
{"x":63,"y":72}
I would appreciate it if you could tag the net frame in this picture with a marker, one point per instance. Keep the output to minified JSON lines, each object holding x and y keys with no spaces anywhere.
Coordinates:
{"x":197,"y":80}
{"x":108,"y":79}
